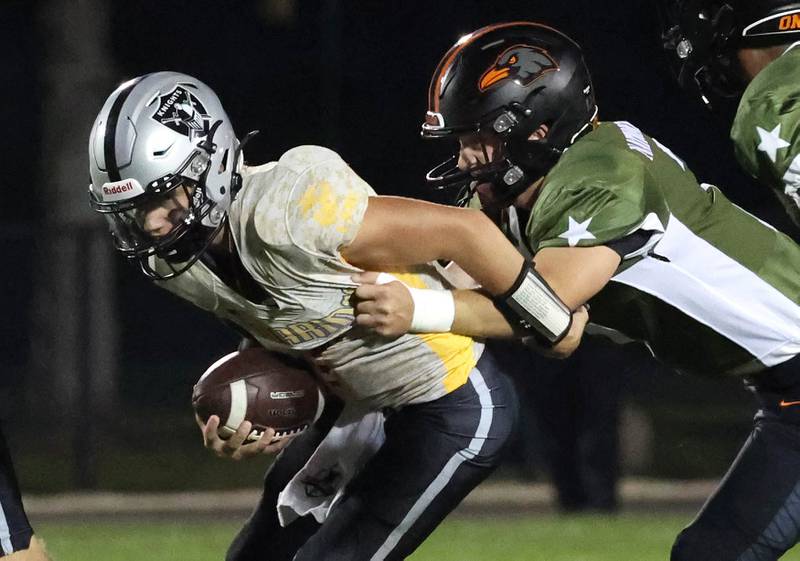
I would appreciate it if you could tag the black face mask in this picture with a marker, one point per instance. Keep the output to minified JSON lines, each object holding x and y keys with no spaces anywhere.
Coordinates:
{"x":701,"y":41}
{"x":703,"y":37}
{"x":523,"y":163}
{"x":458,"y":186}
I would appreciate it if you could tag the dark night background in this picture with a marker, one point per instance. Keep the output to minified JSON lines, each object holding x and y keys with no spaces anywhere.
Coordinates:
{"x":351,"y":75}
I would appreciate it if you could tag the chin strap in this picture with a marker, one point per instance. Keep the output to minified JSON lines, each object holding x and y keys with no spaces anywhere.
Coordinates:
{"x":207,"y":143}
{"x":186,"y":252}
{"x":236,"y":177}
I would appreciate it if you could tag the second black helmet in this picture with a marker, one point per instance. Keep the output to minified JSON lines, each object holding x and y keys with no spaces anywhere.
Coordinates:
{"x":510,"y":79}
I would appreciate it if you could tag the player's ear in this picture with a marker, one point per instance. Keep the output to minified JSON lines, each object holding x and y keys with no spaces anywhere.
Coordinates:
{"x":540,"y":133}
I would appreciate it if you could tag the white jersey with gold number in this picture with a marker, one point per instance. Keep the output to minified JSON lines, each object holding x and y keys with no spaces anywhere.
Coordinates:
{"x":289,"y":221}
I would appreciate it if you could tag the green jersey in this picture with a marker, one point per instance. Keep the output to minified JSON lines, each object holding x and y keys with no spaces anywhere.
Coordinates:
{"x":766,"y":131}
{"x":708,"y":287}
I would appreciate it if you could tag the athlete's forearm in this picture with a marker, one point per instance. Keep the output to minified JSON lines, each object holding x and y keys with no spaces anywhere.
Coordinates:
{"x":477,"y":316}
{"x":398,"y":232}
{"x":390,"y":309}
{"x":485,"y":253}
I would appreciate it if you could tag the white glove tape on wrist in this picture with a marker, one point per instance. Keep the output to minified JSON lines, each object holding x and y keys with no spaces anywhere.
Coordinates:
{"x":434,"y":310}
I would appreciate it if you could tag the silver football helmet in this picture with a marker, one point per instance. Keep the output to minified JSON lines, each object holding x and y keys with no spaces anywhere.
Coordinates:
{"x":161,"y":137}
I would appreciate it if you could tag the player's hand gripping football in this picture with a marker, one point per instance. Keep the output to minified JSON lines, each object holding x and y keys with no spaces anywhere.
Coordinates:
{"x":235,"y":447}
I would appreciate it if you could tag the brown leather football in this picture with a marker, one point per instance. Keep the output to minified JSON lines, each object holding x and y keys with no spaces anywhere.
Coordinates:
{"x":266,"y":388}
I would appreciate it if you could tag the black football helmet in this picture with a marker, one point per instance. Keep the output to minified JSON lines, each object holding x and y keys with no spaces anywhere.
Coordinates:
{"x":509,"y":79}
{"x":704,"y":35}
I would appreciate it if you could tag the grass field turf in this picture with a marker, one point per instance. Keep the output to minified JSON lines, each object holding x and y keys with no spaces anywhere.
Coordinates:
{"x":640,"y":537}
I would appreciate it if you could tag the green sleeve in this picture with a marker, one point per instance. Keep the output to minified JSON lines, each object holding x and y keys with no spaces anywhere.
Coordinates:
{"x":590,"y":216}
{"x":766,"y":130}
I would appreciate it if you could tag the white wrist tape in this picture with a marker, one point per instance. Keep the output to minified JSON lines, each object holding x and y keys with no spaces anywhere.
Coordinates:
{"x":434,"y":310}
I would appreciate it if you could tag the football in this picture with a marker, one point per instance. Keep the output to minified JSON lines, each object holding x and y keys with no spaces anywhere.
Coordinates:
{"x":266,"y":388}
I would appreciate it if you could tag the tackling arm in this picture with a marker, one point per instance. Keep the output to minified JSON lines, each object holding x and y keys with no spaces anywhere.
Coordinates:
{"x":477,"y":314}
{"x":398,"y":232}
{"x":575,"y":275}
{"x":387,"y":309}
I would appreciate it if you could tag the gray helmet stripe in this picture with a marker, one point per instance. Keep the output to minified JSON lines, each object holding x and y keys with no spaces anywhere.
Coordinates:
{"x":111,"y":130}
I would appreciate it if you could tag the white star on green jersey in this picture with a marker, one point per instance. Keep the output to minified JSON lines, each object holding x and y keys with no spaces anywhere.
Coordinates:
{"x":771,"y":141}
{"x":772,"y":100}
{"x":577,"y":231}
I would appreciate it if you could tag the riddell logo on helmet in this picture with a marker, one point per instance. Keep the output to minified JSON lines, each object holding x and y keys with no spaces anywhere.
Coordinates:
{"x":118,"y":189}
{"x":121,"y":190}
{"x":522,"y":63}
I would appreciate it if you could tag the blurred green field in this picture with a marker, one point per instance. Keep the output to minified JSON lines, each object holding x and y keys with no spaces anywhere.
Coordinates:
{"x":640,"y":537}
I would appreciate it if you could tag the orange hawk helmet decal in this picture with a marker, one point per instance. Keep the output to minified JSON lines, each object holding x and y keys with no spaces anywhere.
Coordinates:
{"x":523,"y":63}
